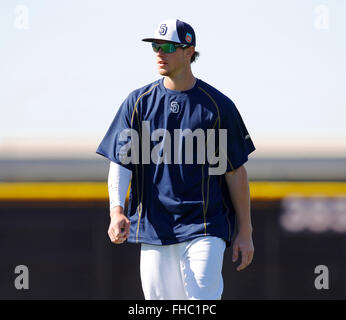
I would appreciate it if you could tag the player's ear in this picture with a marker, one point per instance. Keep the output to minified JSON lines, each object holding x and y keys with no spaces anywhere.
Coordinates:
{"x":189,"y":52}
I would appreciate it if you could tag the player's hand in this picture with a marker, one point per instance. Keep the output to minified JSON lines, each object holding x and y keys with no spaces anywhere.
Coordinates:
{"x":243,"y":243}
{"x":119,"y":227}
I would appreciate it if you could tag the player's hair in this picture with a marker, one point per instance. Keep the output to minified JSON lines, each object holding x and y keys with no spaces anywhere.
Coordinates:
{"x":194,"y":57}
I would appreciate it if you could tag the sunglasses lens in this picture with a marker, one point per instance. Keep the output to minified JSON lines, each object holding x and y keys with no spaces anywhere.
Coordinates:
{"x":166,"y":47}
{"x":169,"y":48}
{"x":155,"y":46}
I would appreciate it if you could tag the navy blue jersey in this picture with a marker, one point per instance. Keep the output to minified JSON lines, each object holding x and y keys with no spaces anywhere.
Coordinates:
{"x":173,"y":201}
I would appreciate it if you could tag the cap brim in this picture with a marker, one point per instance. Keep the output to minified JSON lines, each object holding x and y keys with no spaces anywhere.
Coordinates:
{"x":156,"y":39}
{"x":148,"y":39}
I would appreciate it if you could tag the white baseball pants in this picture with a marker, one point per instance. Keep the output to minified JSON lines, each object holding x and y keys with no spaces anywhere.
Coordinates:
{"x":188,"y":270}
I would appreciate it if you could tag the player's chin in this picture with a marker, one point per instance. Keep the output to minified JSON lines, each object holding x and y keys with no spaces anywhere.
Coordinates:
{"x":163,"y":72}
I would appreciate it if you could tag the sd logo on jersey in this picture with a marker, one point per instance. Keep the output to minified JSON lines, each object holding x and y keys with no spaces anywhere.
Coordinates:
{"x":174,"y":107}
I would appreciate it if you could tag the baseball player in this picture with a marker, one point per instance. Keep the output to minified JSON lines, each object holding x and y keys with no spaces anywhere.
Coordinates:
{"x":182,"y":213}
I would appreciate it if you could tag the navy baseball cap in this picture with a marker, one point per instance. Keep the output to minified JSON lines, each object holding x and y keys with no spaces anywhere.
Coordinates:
{"x":175,"y":31}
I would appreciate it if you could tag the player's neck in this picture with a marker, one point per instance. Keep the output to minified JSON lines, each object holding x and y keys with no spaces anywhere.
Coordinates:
{"x":182,"y":82}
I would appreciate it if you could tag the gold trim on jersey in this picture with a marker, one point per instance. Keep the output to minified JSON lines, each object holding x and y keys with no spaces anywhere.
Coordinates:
{"x":139,"y":202}
{"x":206,"y":202}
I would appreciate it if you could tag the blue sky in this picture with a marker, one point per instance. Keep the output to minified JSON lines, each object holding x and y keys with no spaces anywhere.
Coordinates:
{"x":66,"y":74}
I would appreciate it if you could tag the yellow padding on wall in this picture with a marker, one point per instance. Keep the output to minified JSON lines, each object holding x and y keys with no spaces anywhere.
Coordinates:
{"x":282,"y":189}
{"x":53,"y":191}
{"x":99,"y":191}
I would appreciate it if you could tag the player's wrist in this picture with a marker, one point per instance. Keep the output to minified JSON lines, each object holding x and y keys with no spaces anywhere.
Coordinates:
{"x":117,"y":210}
{"x":245,"y":230}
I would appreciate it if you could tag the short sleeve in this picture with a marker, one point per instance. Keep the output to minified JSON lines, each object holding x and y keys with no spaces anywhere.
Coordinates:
{"x":111,"y":144}
{"x":239,"y":143}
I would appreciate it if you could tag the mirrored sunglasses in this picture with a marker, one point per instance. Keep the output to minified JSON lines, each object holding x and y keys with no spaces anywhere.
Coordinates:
{"x":167,"y":47}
